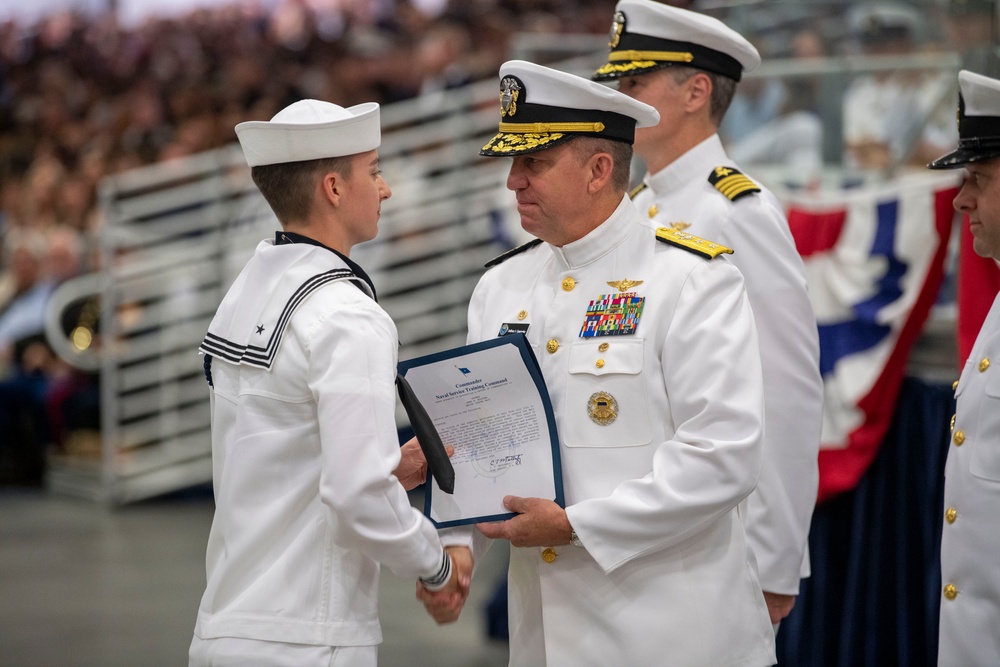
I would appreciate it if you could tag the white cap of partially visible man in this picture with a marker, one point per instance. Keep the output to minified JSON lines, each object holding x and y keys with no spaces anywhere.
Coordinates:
{"x":542,"y":107}
{"x":978,"y":122}
{"x":646,"y":36}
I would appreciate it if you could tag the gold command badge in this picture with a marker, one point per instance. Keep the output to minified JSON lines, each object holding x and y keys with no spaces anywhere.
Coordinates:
{"x":602,"y":408}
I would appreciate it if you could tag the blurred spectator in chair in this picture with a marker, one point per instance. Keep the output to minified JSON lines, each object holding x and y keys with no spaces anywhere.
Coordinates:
{"x":893,"y":118}
{"x":24,"y":361}
{"x":793,"y":136}
{"x":972,"y":29}
{"x":22,"y":317}
{"x":439,"y":55}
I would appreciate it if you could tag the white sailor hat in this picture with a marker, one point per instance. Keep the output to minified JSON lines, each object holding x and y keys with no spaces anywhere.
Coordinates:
{"x":978,"y":122}
{"x":541,"y":108}
{"x":310,"y":130}
{"x":647,"y":36}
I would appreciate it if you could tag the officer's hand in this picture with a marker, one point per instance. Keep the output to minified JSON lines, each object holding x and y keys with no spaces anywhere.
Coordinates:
{"x":778,"y":606}
{"x":539,"y":523}
{"x":412,"y":469}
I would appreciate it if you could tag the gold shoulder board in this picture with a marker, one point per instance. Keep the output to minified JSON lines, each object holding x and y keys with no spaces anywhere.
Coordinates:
{"x":636,"y":190}
{"x":732,"y":183}
{"x":691,"y":243}
{"x":500,"y":259}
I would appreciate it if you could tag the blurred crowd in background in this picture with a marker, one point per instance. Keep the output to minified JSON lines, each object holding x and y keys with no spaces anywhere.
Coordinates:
{"x":82,"y":97}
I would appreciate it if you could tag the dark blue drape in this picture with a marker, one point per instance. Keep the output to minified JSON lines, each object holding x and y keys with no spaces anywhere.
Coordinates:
{"x":875,"y":588}
{"x":873,"y":597}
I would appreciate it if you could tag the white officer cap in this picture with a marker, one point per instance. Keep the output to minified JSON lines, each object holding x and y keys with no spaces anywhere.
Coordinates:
{"x":647,"y":36}
{"x":541,"y":108}
{"x":978,"y":122}
{"x":310,"y":130}
{"x":876,"y":23}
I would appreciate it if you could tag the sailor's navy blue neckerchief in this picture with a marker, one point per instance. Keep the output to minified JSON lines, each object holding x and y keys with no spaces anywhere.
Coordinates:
{"x":284,"y":238}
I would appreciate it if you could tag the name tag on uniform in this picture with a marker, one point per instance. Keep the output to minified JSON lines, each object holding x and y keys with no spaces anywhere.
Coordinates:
{"x":612,"y":315}
{"x":508,"y":328}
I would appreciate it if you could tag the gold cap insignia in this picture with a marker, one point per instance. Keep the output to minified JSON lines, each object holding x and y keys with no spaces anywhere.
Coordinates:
{"x":617,"y":25}
{"x":624,"y":285}
{"x":602,"y":408}
{"x":509,"y":92}
{"x":680,"y":226}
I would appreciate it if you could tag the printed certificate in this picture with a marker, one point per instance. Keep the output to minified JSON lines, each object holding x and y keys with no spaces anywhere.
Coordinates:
{"x":488,"y":400}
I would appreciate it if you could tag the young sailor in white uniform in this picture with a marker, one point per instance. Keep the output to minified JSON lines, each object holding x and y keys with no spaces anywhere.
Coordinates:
{"x":307,"y":466}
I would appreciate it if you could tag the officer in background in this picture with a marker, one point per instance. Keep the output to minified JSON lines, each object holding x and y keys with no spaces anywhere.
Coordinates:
{"x":970,"y":540}
{"x":686,"y":65}
{"x":306,"y":461}
{"x":646,"y":342}
{"x":894,"y":117}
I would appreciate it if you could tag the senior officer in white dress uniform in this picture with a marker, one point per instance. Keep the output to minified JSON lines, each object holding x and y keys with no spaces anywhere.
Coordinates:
{"x":302,"y":363}
{"x":970,"y":540}
{"x":686,"y":65}
{"x":647,"y":346}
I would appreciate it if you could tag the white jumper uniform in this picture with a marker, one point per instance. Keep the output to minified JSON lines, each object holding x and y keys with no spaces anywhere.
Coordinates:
{"x":779,"y":511}
{"x":304,"y":445}
{"x":664,"y":576}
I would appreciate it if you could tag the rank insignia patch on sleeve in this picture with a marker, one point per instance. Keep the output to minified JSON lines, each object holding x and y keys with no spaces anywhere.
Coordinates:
{"x":732,"y":183}
{"x":691,"y":243}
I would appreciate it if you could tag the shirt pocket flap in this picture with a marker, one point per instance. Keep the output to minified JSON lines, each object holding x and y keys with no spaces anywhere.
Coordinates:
{"x":623,"y":356}
{"x":993,"y":386}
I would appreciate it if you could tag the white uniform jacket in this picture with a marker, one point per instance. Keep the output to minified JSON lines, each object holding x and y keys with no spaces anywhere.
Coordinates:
{"x":663,"y":577}
{"x":970,"y":540}
{"x":779,"y":511}
{"x":304,"y":444}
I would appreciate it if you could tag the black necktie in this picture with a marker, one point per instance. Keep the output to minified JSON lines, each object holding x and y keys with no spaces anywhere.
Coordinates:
{"x":438,"y":463}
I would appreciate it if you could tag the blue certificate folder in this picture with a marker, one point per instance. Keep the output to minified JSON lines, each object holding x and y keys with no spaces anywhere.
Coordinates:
{"x":462,"y":380}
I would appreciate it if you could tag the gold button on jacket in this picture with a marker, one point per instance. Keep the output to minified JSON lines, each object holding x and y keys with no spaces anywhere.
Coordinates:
{"x":950,"y":591}
{"x":549,"y":555}
{"x":959,"y":437}
{"x":552,"y":346}
{"x":950,"y":515}
{"x":568,"y":284}
{"x":984,"y":364}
